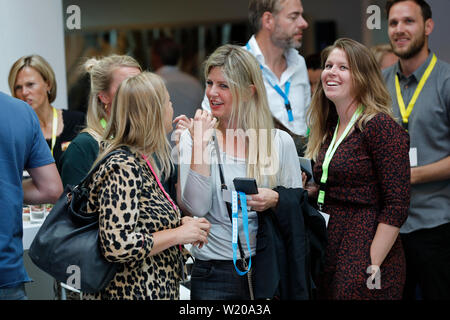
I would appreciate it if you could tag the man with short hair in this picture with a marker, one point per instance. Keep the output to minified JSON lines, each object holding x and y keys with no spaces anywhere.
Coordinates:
{"x":22,"y":146}
{"x":420,"y":88}
{"x":278,"y":27}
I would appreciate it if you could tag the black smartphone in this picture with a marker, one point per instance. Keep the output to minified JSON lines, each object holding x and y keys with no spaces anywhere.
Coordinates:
{"x":306,"y":166}
{"x":245,"y":185}
{"x":308,"y":175}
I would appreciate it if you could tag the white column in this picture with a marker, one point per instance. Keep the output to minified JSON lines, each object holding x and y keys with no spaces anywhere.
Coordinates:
{"x":33,"y":27}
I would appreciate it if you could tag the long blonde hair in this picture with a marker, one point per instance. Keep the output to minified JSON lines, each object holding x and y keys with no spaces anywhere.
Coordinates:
{"x":250,"y":109}
{"x":101,"y":72}
{"x":370,"y":91}
{"x":137,"y":121}
{"x":380,"y":50}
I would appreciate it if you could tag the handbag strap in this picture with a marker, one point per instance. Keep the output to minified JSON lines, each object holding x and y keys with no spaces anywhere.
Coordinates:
{"x":223,"y":186}
{"x":219,"y":162}
{"x":87,"y":178}
{"x":174,"y":206}
{"x":159,"y":182}
{"x":82,"y":190}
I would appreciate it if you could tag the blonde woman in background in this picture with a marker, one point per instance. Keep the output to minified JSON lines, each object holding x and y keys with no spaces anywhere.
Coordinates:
{"x":32,"y":80}
{"x":238,"y":100}
{"x":106,"y":75}
{"x":384,"y":55}
{"x":141,"y":229}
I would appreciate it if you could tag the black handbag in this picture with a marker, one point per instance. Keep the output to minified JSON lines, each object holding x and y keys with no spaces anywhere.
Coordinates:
{"x":67,"y":245}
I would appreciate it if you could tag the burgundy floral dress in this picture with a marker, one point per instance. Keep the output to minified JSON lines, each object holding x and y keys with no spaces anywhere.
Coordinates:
{"x":368,"y":183}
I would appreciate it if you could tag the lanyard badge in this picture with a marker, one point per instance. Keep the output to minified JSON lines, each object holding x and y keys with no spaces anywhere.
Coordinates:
{"x":235,"y":217}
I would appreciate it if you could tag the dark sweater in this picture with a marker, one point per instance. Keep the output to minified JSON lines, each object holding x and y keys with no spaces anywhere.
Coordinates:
{"x":77,"y":160}
{"x":73,"y":123}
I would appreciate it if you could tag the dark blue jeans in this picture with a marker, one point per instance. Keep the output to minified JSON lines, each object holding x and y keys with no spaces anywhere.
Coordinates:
{"x":14,"y":293}
{"x":218,"y":280}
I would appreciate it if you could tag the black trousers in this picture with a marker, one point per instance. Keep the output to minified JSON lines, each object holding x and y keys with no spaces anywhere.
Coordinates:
{"x":427,"y":253}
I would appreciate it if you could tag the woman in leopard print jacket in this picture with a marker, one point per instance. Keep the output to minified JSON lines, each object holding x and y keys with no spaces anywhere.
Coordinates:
{"x":141,"y":228}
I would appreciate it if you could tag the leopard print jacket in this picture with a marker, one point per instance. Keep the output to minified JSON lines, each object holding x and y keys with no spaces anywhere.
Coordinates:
{"x":131,"y":208}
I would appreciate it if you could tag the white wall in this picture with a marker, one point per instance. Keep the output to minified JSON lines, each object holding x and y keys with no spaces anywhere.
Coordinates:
{"x":33,"y":27}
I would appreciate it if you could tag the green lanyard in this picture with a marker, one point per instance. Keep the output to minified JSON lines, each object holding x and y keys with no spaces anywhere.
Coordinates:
{"x":330,"y":153}
{"x":103,"y":123}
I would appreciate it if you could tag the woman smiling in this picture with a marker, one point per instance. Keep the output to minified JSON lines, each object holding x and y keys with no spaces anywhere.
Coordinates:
{"x":362,"y":164}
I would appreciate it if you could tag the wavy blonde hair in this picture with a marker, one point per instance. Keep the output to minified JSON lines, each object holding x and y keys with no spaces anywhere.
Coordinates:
{"x":137,"y":121}
{"x":380,"y":50}
{"x":250,"y":108}
{"x":101,"y":73}
{"x":369,"y":91}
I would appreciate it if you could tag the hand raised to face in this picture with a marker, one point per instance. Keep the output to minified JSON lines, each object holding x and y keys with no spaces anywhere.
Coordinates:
{"x":202,"y":127}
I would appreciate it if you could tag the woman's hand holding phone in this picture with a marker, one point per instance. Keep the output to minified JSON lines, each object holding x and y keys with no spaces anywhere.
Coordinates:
{"x":265,"y":199}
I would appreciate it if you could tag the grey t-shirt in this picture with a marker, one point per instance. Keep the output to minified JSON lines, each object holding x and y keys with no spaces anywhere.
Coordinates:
{"x":202,"y":195}
{"x":429,"y":130}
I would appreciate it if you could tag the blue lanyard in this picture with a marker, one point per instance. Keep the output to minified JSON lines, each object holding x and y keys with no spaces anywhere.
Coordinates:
{"x":234,"y":216}
{"x":284,"y":95}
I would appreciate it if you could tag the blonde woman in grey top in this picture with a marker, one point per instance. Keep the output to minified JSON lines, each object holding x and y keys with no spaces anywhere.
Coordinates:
{"x":249,"y":147}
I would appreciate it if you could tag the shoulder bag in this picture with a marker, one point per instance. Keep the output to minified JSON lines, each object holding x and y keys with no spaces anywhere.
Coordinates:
{"x":67,"y":245}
